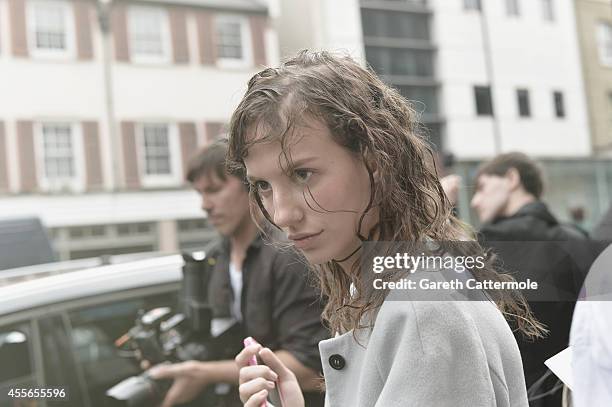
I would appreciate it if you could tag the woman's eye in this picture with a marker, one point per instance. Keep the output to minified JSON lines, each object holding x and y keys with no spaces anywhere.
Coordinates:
{"x":262,"y":186}
{"x":302,"y":175}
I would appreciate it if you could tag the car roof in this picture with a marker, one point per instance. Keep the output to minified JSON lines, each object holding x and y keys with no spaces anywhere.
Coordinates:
{"x":88,"y":282}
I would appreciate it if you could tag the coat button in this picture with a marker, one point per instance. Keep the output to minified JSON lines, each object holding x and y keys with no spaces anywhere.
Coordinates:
{"x":337,"y":362}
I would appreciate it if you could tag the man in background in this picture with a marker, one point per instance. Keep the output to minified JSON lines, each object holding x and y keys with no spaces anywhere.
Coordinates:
{"x":518,"y":225}
{"x":265,"y":290}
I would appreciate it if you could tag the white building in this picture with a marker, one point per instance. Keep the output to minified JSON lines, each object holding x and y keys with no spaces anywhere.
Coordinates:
{"x":96,"y":129}
{"x":511,"y":78}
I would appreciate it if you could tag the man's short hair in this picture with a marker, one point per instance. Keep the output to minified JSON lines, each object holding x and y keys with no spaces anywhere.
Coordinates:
{"x":529,"y":171}
{"x":210,"y":159}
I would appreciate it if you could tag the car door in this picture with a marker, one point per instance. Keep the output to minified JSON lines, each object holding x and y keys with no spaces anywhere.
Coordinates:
{"x":95,"y":327}
{"x":60,"y":369}
{"x":17,"y":361}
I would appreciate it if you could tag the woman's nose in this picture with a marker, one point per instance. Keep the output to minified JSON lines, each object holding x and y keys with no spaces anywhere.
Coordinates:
{"x":287,"y":208}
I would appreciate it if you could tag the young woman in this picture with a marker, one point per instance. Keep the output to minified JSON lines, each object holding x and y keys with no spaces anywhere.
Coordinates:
{"x":333,"y":159}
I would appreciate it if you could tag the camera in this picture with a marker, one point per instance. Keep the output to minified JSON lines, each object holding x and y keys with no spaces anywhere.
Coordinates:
{"x":161,"y":336}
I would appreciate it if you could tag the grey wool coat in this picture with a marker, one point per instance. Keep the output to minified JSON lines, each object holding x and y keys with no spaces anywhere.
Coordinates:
{"x":426,"y":354}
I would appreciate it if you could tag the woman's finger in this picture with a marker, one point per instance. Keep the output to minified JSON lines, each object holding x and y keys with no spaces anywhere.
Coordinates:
{"x":257,"y":399}
{"x":248,"y":389}
{"x":252,"y":372}
{"x":242,"y":359}
{"x":274,"y":363}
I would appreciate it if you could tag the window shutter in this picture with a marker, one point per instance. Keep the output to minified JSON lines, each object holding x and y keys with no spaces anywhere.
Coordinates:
{"x":82,"y":22}
{"x":4,"y":181}
{"x":17,"y":19}
{"x":258,"y":29}
{"x":189,"y":143}
{"x":27,"y":156}
{"x":214,"y":130}
{"x":93,"y":159}
{"x":178,"y":30}
{"x":120,"y":32}
{"x":130,"y":155}
{"x":206,"y":39}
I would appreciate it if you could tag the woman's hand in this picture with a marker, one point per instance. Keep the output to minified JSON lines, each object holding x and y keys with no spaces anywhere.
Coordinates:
{"x":256,"y":381}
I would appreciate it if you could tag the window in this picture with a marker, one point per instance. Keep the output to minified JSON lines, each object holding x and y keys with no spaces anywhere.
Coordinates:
{"x":394,"y":24}
{"x":159,"y":151}
{"x":548,"y":12}
{"x":156,"y":149}
{"x":58,"y":151}
{"x":604,"y":41}
{"x":58,"y":358}
{"x":423,"y":98}
{"x":149,"y":35}
{"x":522,"y":96}
{"x":512,"y":8}
{"x":559,"y":104}
{"x":471,"y":4}
{"x":57,"y":146}
{"x":86,"y":232}
{"x":484,"y":104}
{"x":50,"y":29}
{"x":94,"y":330}
{"x":403,"y":62}
{"x":130,"y":229}
{"x":231,"y":39}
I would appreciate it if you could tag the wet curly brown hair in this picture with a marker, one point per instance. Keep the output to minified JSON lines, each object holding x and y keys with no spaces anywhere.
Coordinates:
{"x":375,"y":122}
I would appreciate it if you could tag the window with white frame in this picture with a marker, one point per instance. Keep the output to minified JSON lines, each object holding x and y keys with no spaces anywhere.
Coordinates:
{"x":604,"y":42}
{"x":548,"y":11}
{"x":512,"y":8}
{"x":159,"y":153}
{"x":50,"y":28}
{"x":58,"y":144}
{"x":156,"y":149}
{"x":232,"y":39}
{"x":149,"y":34}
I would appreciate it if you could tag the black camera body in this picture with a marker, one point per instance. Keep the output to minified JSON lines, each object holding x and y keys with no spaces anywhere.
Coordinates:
{"x":160,"y":336}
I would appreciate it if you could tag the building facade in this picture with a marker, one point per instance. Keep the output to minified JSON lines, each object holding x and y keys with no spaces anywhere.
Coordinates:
{"x":594,"y":19}
{"x":511,"y":78}
{"x":103,"y":104}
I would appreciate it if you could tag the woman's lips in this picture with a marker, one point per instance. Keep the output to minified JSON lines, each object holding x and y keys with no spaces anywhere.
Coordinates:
{"x":303,"y":240}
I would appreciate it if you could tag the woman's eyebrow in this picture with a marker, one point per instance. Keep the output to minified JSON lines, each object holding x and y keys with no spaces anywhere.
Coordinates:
{"x":301,"y":161}
{"x":294,"y":164}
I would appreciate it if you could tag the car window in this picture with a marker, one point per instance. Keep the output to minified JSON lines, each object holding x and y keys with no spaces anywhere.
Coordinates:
{"x":16,"y":362}
{"x":60,"y":369}
{"x":94,"y":331}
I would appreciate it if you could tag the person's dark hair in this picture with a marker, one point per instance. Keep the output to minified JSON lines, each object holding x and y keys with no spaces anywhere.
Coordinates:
{"x":211,"y":159}
{"x":376,"y":124}
{"x":529,"y":171}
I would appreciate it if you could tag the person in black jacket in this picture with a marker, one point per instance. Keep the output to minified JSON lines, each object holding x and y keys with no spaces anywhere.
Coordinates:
{"x":531,"y":243}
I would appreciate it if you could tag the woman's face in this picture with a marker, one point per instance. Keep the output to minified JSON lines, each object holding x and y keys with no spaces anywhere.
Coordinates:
{"x":319,"y":200}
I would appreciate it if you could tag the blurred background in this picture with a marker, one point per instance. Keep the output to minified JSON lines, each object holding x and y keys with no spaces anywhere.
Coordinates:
{"x":102,"y":103}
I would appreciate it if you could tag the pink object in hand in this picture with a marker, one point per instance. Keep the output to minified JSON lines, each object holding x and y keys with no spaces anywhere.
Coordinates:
{"x":253,"y":361}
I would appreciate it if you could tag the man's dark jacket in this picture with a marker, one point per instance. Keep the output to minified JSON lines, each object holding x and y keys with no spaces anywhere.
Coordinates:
{"x":280,"y":307}
{"x":533,"y":244}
